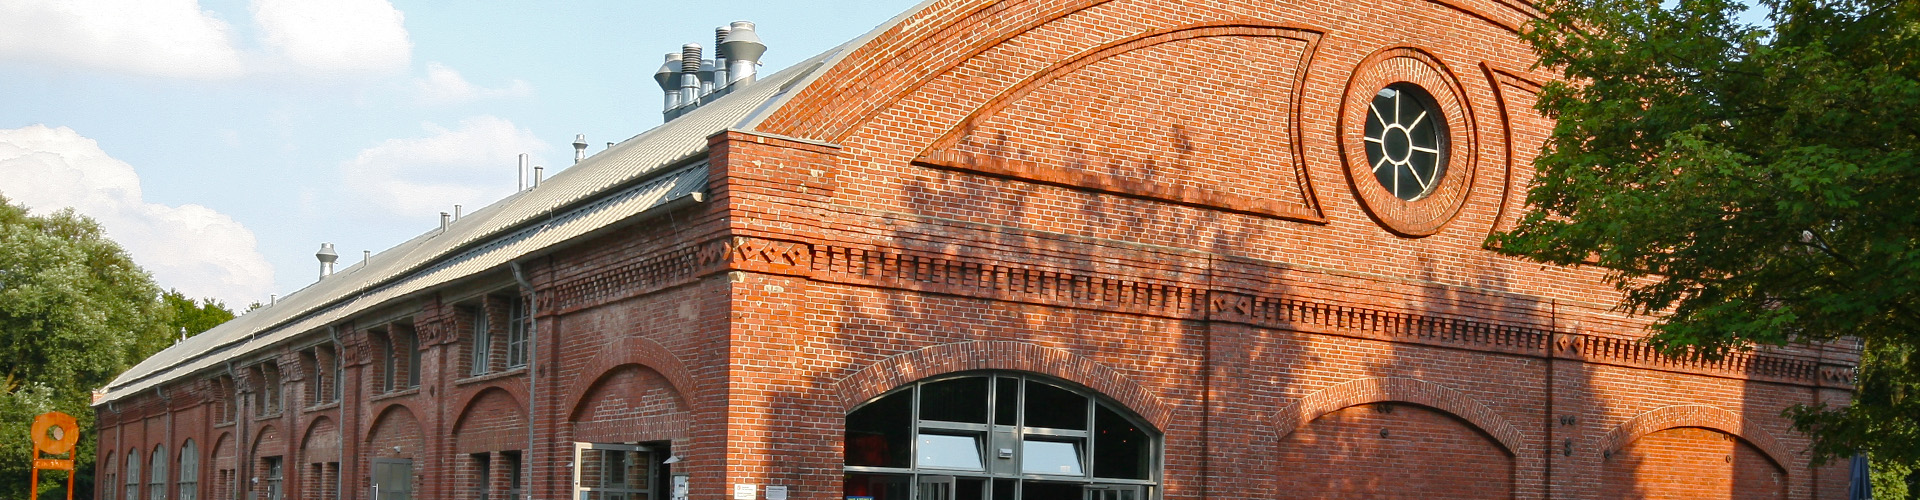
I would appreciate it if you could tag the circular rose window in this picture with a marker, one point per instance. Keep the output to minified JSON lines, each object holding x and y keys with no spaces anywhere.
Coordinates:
{"x":1406,"y":141}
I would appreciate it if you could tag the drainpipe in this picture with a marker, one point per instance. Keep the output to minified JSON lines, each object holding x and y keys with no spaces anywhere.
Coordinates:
{"x":533,"y":369}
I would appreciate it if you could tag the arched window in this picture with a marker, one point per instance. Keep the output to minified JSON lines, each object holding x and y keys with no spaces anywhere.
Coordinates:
{"x":133,"y":474}
{"x":189,"y":472}
{"x":998,"y":436}
{"x":157,"y":475}
{"x":112,"y":478}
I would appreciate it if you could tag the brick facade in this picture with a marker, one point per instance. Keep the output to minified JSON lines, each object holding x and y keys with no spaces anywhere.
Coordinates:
{"x":1155,"y":201}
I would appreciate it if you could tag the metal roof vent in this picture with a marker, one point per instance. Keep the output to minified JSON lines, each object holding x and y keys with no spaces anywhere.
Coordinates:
{"x":579,"y":147}
{"x":743,"y":50}
{"x":669,"y":77}
{"x":690,"y":75}
{"x":720,"y":56}
{"x":327,"y":258}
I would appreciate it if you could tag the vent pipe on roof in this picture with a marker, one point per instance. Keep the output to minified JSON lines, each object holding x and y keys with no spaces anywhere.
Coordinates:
{"x":690,"y":75}
{"x":446,"y":219}
{"x":720,"y":57}
{"x":457,"y":212}
{"x":743,"y":49}
{"x":523,"y":172}
{"x":579,"y":147}
{"x":707,"y":84}
{"x":327,"y":257}
{"x":538,"y":173}
{"x":669,"y":78}
{"x":365,"y":255}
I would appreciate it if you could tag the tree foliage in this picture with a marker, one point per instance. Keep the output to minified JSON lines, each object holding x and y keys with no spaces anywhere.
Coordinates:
{"x":74,"y":312}
{"x":1748,"y":185}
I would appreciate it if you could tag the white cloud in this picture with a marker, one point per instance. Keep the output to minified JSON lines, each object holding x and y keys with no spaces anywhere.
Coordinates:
{"x":195,"y":249}
{"x":443,"y":85}
{"x":335,"y":36}
{"x":168,"y":38}
{"x":472,"y":165}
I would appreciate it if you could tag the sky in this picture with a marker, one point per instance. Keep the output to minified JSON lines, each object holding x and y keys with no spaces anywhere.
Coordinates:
{"x":222,"y":141}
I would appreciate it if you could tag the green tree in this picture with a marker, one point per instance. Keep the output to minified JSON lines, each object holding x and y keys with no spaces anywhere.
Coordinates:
{"x":1748,"y":185}
{"x":74,"y":312}
{"x":192,"y":317}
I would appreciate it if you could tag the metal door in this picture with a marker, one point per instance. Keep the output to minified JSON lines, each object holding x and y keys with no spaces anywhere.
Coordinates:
{"x":392,"y":479}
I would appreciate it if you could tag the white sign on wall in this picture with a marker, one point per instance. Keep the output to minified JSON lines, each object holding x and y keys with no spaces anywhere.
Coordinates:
{"x":745,"y":491}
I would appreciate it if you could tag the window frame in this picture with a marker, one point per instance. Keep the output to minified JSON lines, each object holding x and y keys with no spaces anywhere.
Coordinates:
{"x":189,"y":473}
{"x":519,"y":331}
{"x":994,"y":435}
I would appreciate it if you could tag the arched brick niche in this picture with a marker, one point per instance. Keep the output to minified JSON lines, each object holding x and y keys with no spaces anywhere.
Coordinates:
{"x":1694,"y":462}
{"x":491,"y":420}
{"x":1379,"y":437}
{"x":322,"y":442}
{"x":395,"y":433}
{"x":630,"y":402}
{"x":1700,"y":416}
{"x":631,"y":351}
{"x":910,"y":366}
{"x":1357,"y":392}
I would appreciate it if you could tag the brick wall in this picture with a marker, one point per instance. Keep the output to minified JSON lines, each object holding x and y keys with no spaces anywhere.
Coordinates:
{"x":1156,"y":201}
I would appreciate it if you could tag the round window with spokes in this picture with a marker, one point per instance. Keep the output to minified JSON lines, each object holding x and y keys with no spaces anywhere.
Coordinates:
{"x":1406,"y":141}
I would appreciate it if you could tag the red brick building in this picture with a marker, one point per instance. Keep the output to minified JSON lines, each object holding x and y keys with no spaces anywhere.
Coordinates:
{"x":1018,"y":250}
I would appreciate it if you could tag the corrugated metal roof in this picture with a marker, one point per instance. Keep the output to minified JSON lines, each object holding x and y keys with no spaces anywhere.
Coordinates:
{"x":489,"y":237}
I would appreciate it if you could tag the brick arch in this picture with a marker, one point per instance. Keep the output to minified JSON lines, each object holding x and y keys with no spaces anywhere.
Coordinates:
{"x":325,"y":449}
{"x":490,"y":436}
{"x":1702,"y":416}
{"x":1300,"y":412}
{"x":907,"y":367}
{"x":260,"y":440}
{"x":640,"y":351}
{"x":473,"y":398}
{"x":390,"y":410}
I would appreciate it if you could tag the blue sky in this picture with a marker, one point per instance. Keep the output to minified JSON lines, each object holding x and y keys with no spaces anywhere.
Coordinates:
{"x":221,"y":141}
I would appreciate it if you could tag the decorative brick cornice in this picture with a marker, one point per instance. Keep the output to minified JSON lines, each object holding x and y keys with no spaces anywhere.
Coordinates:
{"x":1160,"y":297}
{"x":1320,"y":317}
{"x":1703,"y":416}
{"x":1300,"y":412}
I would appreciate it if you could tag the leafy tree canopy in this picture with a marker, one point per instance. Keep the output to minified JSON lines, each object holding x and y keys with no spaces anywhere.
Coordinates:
{"x":74,"y":312}
{"x":1750,"y":185}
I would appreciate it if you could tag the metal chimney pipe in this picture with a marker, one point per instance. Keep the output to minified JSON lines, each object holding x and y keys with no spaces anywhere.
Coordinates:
{"x":523,"y":172}
{"x":690,"y":75}
{"x":669,"y":78}
{"x":445,"y":220}
{"x":579,"y":147}
{"x":720,"y":80}
{"x":707,"y":83}
{"x":365,"y":255}
{"x":327,"y":258}
{"x":743,"y":49}
{"x":456,"y":212}
{"x":538,"y":173}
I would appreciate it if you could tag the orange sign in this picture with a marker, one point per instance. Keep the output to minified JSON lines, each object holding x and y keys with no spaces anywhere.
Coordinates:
{"x":54,"y":433}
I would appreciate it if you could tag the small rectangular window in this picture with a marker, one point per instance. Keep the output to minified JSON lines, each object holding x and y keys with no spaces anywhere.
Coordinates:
{"x":482,"y":343}
{"x":950,"y":452}
{"x":275,"y":477}
{"x":519,"y":328}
